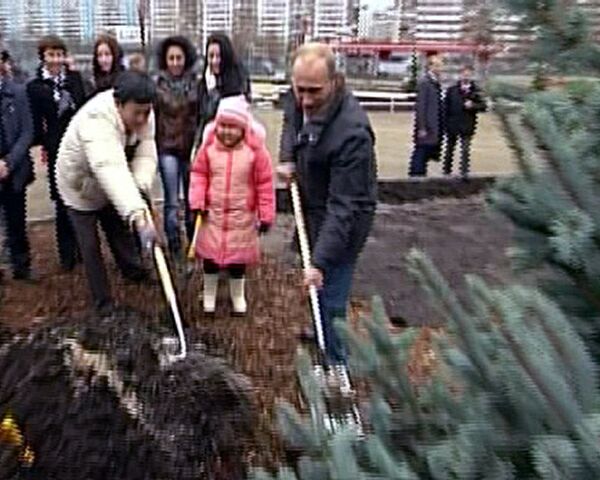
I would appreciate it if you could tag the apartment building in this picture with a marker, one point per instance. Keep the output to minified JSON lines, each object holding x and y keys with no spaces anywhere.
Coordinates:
{"x":331,"y":18}
{"x":175,"y":17}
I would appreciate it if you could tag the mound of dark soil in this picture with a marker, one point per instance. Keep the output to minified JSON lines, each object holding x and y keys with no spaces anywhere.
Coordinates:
{"x":94,"y":402}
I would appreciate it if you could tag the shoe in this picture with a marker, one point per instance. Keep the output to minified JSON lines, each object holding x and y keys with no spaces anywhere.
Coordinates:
{"x":238,"y":299}
{"x":339,"y":378}
{"x":140,"y":277}
{"x":105,"y":309}
{"x":209,"y":292}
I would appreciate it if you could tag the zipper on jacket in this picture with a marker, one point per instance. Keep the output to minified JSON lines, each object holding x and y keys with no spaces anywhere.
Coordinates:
{"x":228,"y":169}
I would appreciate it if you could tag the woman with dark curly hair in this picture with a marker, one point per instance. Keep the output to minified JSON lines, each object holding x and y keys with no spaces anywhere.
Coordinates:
{"x":106,"y":64}
{"x":176,"y":110}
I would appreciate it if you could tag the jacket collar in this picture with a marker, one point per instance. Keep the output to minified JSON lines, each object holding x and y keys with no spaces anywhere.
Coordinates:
{"x":313,"y":128}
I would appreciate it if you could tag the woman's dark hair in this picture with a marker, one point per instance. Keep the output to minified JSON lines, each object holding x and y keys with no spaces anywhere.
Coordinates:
{"x":50,"y":42}
{"x":176,"y":41}
{"x":113,"y":46}
{"x":231,"y":78}
{"x":132,"y":86}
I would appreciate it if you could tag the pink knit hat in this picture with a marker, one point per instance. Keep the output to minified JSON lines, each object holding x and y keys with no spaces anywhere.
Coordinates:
{"x":234,"y":110}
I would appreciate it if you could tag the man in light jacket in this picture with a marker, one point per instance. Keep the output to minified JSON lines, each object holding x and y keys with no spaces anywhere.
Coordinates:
{"x":106,"y":163}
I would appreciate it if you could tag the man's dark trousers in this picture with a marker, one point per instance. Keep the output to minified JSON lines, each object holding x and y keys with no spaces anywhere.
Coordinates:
{"x":122,"y":245}
{"x":14,"y":206}
{"x":421,"y":155}
{"x":465,"y":153}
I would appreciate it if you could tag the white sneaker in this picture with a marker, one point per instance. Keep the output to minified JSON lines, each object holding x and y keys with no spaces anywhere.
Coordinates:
{"x":209,"y":295}
{"x":237,"y":294}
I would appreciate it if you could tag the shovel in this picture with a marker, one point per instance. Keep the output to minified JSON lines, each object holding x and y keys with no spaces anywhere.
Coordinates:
{"x":167,"y":285}
{"x":350,"y":414}
{"x":169,"y":291}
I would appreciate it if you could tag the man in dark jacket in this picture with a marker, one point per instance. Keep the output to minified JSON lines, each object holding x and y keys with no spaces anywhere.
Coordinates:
{"x":16,"y":170}
{"x":329,"y":144}
{"x":55,"y":94}
{"x":428,"y":132}
{"x":463,"y":102}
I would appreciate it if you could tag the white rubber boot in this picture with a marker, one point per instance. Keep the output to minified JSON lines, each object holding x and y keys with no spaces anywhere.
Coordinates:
{"x":238,"y":298}
{"x":209,"y":293}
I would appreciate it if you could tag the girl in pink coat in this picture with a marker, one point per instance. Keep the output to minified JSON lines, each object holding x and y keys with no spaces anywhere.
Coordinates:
{"x":231,"y":186}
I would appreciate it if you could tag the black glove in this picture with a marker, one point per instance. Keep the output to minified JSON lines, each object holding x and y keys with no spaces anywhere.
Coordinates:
{"x":264,"y":227}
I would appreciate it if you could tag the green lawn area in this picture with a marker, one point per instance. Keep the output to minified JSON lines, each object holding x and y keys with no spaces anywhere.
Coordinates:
{"x":491,"y":153}
{"x":394,"y":144}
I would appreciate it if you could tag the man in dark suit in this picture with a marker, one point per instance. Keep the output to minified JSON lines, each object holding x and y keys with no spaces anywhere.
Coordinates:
{"x":55,"y":94}
{"x":16,"y":170}
{"x":463,"y":102}
{"x":428,"y":132}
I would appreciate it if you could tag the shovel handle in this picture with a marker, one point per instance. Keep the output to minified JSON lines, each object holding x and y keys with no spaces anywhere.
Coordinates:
{"x":192,"y":248}
{"x":167,"y":284}
{"x":306,"y":262}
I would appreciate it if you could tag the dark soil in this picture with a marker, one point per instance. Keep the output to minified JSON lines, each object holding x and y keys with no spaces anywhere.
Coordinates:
{"x":94,"y":401}
{"x":261,"y":346}
{"x":459,"y":234}
{"x":462,"y":236}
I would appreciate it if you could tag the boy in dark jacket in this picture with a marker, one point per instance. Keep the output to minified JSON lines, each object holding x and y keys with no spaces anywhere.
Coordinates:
{"x":463,"y":102}
{"x":16,"y":170}
{"x":55,"y":94}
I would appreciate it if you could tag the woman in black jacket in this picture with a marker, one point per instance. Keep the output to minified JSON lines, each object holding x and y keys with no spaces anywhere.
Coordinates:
{"x":55,"y":94}
{"x":223,"y":75}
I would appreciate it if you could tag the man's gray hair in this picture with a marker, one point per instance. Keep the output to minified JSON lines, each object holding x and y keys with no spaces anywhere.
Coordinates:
{"x":317,"y":50}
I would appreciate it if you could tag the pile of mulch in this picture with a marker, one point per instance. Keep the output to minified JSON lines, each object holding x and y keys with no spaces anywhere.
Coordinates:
{"x":100,"y":399}
{"x":261,"y":346}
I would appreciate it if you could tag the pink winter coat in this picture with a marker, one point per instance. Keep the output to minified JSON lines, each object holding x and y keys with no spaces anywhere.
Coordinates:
{"x":235,"y":186}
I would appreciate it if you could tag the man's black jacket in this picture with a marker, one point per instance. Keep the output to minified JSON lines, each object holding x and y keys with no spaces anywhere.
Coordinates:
{"x":337,"y":175}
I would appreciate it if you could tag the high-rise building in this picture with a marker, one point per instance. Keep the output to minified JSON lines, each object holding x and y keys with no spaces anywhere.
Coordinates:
{"x":74,"y":20}
{"x":217,"y":16}
{"x":175,"y":17}
{"x":439,"y":20}
{"x":331,"y":18}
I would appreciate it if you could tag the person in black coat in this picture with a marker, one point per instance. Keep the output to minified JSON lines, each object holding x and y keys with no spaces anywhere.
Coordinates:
{"x":463,"y":102}
{"x":16,"y":170}
{"x":55,"y":94}
{"x":429,"y":128}
{"x":328,"y":143}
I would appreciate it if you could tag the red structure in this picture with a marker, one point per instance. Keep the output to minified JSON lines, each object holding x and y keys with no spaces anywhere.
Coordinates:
{"x":384,"y":49}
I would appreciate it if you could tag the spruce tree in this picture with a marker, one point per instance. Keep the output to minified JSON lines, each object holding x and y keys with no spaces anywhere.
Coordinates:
{"x":514,"y":391}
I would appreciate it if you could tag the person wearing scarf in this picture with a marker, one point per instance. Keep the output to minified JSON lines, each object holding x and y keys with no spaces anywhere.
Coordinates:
{"x":176,"y":110}
{"x":223,"y":76}
{"x":55,"y":94}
